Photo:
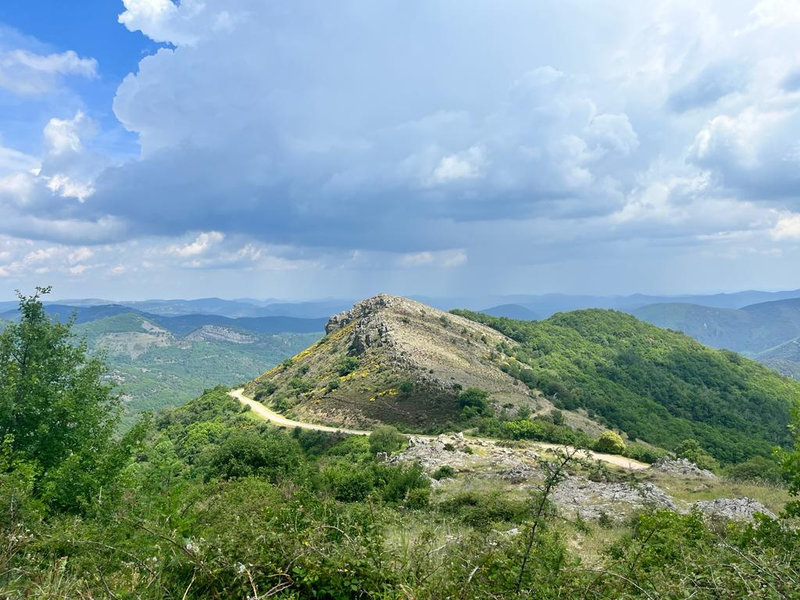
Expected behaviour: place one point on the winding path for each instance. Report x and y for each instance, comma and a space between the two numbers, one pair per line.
270, 415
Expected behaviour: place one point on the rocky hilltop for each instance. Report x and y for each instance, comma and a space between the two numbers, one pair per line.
393, 360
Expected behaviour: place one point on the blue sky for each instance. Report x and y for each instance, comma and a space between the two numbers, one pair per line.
440, 147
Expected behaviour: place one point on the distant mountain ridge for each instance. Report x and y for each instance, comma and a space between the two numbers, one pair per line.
768, 332
181, 325
751, 329
544, 305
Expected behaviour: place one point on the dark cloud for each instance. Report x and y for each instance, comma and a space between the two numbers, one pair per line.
711, 84
791, 83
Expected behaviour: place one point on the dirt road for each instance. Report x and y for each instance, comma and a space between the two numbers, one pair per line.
269, 415
272, 416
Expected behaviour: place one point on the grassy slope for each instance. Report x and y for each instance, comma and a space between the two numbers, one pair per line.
656, 385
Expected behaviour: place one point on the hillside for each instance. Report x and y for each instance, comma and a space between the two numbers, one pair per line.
165, 361
784, 358
653, 384
511, 311
715, 327
751, 329
393, 360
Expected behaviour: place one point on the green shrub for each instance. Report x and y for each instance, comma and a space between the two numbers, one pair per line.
691, 450
397, 481
557, 417
483, 509
444, 472
756, 469
474, 401
405, 388
644, 453
610, 442
347, 365
248, 453
347, 483
265, 389
386, 439
300, 385
418, 498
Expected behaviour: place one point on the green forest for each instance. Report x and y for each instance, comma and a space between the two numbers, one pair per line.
655, 385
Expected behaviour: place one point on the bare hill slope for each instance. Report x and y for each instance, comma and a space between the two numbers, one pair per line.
393, 360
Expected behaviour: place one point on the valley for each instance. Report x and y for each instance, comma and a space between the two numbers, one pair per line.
157, 361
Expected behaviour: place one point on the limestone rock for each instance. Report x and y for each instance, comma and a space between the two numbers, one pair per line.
737, 509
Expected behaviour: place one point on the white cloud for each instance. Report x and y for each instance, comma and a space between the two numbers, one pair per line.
775, 13
27, 73
80, 254
787, 227
12, 161
78, 269
169, 21
613, 132
464, 165
64, 135
447, 259
201, 244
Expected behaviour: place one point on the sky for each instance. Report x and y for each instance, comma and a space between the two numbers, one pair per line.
266, 148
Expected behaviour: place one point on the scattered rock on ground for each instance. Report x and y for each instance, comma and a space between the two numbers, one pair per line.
593, 500
520, 472
738, 509
681, 467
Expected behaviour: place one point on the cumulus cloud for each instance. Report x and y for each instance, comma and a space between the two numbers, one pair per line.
64, 135
201, 244
754, 152
464, 165
323, 129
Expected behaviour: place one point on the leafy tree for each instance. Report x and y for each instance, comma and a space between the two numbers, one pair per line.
57, 408
248, 453
691, 450
265, 389
756, 469
610, 442
386, 439
557, 417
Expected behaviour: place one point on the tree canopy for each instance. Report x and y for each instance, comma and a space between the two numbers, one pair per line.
57, 414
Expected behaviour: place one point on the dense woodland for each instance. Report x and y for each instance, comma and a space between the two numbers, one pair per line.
205, 501
656, 385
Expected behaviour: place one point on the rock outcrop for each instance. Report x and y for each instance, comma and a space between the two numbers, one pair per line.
681, 467
737, 509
